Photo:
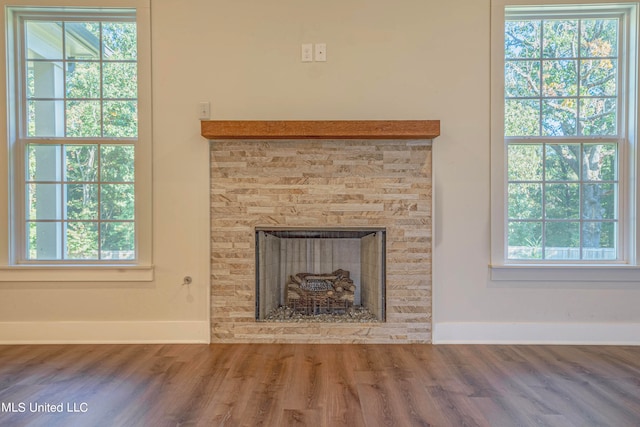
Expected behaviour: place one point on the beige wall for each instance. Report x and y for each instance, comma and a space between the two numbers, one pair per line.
409, 59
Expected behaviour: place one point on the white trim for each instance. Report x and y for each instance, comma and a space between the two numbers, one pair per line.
144, 149
82, 3
111, 273
142, 269
501, 269
166, 332
498, 147
566, 273
537, 333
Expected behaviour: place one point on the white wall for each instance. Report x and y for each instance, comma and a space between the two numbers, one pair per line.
410, 59
469, 307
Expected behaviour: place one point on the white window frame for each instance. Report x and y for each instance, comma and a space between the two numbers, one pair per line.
625, 269
141, 269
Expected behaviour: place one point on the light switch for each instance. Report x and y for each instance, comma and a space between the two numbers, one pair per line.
321, 52
307, 52
204, 110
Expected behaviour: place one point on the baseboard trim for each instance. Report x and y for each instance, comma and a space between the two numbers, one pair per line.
537, 333
198, 332
121, 332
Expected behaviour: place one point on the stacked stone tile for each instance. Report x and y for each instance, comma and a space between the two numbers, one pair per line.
321, 183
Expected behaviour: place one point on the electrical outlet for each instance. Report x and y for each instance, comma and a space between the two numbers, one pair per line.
321, 52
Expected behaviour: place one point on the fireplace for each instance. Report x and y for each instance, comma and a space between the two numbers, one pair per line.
310, 274
352, 181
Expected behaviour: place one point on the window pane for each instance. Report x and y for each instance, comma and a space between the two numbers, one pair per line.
83, 80
81, 240
83, 119
525, 240
522, 117
598, 116
45, 118
120, 80
599, 240
525, 201
81, 163
82, 201
600, 162
44, 40
119, 40
598, 77
43, 240
599, 37
120, 119
118, 240
44, 162
561, 162
117, 202
562, 201
522, 39
44, 79
522, 78
525, 162
560, 39
117, 163
562, 240
599, 201
560, 78
82, 40
43, 201
559, 117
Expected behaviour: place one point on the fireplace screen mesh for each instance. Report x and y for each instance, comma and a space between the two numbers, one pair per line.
320, 275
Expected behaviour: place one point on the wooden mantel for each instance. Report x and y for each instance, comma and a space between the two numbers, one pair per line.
320, 129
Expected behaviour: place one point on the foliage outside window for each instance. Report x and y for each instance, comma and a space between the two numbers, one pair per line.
562, 126
77, 130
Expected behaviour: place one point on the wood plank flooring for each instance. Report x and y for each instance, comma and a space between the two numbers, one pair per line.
319, 385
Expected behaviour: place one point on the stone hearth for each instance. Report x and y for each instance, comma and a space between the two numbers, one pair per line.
377, 183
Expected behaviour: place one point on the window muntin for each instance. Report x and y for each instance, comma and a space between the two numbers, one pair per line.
562, 127
76, 137
561, 77
80, 78
562, 201
80, 202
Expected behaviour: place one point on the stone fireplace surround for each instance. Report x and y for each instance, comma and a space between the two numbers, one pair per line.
321, 174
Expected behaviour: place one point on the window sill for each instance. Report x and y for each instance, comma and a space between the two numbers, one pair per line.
566, 273
76, 273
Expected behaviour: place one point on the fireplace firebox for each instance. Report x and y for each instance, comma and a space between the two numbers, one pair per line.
316, 275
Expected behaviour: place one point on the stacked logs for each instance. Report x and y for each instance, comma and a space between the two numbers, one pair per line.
315, 293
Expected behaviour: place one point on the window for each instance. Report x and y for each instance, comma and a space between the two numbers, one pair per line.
566, 135
561, 129
78, 137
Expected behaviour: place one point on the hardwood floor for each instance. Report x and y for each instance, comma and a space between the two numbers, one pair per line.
319, 385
